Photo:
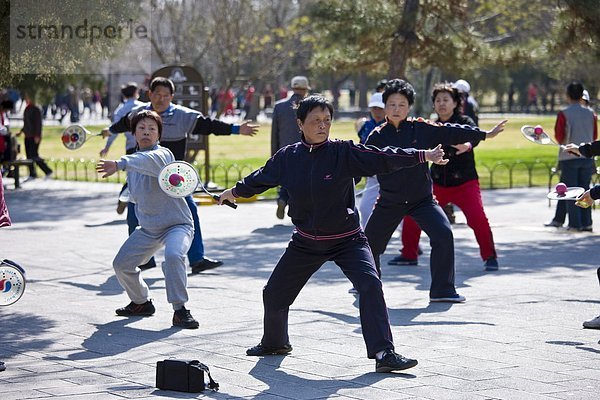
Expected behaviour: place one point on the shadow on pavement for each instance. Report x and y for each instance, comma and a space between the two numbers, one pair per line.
268, 370
19, 332
116, 338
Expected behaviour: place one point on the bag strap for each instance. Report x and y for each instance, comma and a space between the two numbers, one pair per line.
211, 384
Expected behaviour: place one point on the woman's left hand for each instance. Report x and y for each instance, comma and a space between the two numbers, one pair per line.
496, 130
106, 167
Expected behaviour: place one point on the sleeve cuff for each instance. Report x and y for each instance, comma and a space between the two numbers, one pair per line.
235, 129
234, 192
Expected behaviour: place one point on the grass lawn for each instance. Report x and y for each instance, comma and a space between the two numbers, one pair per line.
495, 158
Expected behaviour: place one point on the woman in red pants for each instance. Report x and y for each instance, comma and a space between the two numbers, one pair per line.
456, 182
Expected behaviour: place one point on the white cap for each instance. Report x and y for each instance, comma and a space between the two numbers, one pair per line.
376, 100
462, 86
586, 95
300, 82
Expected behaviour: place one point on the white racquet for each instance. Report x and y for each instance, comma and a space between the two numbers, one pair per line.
74, 136
12, 282
180, 179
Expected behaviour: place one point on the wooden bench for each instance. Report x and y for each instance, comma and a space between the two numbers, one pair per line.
13, 166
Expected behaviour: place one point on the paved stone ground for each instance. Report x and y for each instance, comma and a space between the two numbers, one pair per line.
518, 336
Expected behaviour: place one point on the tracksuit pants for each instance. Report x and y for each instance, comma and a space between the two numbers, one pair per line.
137, 250
302, 258
431, 218
196, 251
467, 197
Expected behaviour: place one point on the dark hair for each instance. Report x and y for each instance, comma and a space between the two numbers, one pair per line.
311, 102
575, 90
153, 115
128, 90
161, 81
381, 85
446, 87
7, 104
399, 86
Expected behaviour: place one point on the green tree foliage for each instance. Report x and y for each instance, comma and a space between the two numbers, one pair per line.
361, 35
51, 58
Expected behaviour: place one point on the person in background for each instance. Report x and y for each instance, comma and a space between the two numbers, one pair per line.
371, 191
456, 182
409, 191
180, 122
284, 130
469, 105
574, 124
32, 128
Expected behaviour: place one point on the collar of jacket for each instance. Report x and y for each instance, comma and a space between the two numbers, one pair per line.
312, 147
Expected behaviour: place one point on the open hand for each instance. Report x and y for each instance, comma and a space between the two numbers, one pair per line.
436, 155
248, 129
492, 133
106, 167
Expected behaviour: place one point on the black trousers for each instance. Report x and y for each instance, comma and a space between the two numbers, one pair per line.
431, 218
302, 258
31, 150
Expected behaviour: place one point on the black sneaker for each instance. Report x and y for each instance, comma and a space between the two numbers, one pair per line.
121, 207
260, 350
148, 265
204, 264
491, 264
2, 366
280, 213
554, 223
401, 260
391, 361
137, 310
183, 319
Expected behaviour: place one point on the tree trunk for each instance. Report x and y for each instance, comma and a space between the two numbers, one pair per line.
362, 90
404, 40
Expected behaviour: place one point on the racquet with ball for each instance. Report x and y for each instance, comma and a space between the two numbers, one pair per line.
74, 136
180, 179
537, 135
12, 282
562, 192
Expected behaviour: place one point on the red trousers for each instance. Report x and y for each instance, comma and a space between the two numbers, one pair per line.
468, 198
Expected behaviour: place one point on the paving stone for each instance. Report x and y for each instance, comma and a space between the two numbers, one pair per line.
518, 336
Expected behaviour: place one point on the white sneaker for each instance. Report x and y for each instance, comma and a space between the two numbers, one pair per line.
592, 323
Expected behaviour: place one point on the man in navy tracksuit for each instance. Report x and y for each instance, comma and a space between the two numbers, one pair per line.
409, 191
319, 177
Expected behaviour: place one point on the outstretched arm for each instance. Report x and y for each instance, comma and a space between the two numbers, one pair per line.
492, 133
